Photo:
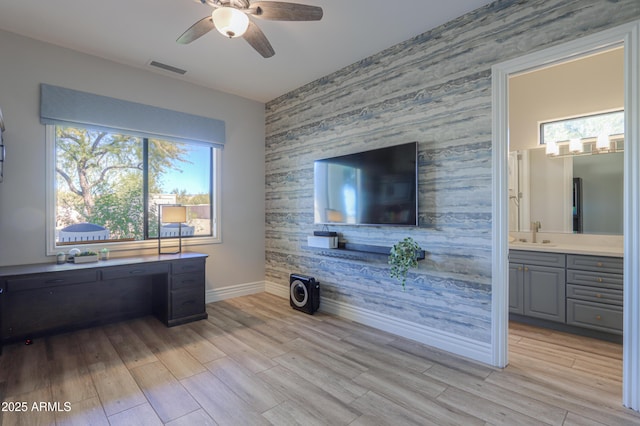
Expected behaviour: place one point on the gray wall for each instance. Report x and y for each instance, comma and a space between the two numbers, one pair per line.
25, 63
434, 89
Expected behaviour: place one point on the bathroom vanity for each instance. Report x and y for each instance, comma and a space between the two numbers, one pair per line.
576, 290
537, 284
43, 299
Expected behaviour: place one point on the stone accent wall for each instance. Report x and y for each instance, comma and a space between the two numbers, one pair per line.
434, 89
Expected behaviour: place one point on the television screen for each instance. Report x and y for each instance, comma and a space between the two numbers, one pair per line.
377, 187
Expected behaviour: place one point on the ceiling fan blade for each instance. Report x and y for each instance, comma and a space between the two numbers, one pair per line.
197, 30
281, 11
256, 38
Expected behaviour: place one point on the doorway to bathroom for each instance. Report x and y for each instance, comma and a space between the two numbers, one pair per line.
567, 201
622, 41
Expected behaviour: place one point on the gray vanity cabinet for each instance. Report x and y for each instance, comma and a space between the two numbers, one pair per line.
516, 288
594, 292
578, 290
540, 277
544, 293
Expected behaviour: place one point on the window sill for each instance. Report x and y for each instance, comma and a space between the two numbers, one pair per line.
124, 246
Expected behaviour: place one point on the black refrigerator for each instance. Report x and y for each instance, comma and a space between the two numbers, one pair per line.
577, 205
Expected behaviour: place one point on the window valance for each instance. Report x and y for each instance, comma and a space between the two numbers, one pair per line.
62, 106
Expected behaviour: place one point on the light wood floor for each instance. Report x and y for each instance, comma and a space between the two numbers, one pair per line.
256, 361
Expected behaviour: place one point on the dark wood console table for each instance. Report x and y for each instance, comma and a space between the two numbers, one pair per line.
43, 299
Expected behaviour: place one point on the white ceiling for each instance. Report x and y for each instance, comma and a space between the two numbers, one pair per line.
135, 32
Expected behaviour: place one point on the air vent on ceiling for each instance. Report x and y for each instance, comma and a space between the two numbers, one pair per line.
167, 67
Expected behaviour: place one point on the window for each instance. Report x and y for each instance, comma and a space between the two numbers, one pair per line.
104, 183
590, 134
583, 127
108, 186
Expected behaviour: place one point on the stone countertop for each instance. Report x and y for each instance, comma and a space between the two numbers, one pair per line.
116, 261
591, 250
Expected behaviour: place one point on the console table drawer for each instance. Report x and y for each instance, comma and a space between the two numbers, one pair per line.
595, 294
135, 271
182, 281
50, 280
597, 316
187, 302
44, 299
613, 265
595, 279
186, 266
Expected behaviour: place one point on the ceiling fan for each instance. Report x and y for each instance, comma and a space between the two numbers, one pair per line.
231, 19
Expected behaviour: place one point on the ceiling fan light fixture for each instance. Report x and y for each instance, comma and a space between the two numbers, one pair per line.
230, 22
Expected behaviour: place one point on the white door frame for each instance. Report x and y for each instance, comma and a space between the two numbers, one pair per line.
627, 35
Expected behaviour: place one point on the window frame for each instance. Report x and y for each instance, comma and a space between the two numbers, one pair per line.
53, 248
541, 124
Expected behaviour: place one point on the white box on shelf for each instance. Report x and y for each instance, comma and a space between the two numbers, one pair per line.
322, 242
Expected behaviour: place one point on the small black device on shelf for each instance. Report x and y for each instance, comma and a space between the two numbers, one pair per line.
304, 293
325, 234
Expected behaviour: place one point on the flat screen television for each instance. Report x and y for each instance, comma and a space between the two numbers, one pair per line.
376, 187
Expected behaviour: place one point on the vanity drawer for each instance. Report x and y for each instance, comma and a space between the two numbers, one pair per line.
595, 279
539, 258
597, 316
135, 271
194, 279
185, 303
595, 294
50, 280
612, 265
187, 266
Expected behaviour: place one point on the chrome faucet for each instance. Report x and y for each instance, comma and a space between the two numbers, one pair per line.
535, 227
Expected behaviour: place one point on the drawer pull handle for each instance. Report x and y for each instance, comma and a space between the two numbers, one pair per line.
526, 269
599, 264
1, 290
137, 271
599, 296
56, 281
519, 268
599, 280
598, 317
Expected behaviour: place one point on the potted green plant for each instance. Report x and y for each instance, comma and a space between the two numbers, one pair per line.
403, 256
104, 254
86, 257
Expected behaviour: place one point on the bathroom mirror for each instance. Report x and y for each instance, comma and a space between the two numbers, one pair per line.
574, 101
572, 194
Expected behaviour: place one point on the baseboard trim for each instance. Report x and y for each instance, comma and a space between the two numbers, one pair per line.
277, 289
459, 345
237, 290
